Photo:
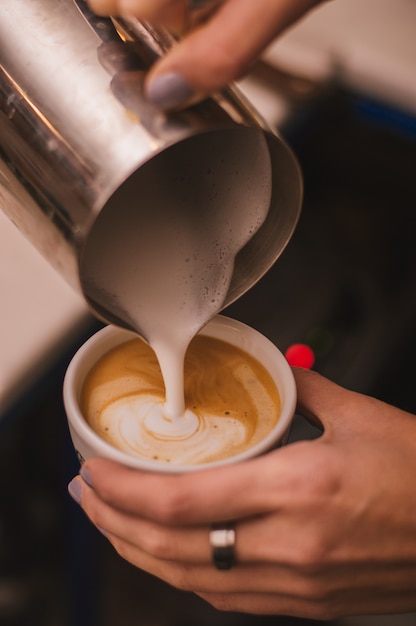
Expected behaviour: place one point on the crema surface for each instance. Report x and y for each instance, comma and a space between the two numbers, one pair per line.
231, 401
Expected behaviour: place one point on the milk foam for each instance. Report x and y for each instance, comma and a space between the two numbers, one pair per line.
139, 426
227, 392
171, 244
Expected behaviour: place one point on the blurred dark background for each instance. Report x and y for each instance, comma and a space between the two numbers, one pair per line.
345, 286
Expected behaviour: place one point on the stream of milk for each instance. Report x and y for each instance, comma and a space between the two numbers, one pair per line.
170, 263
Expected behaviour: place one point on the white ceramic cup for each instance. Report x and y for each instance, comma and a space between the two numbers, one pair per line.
89, 444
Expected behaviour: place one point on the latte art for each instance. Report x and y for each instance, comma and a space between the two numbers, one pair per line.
141, 428
231, 402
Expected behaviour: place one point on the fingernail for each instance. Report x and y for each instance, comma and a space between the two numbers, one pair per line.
75, 490
86, 475
169, 91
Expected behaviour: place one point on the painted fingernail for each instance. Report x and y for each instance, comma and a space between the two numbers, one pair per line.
169, 91
86, 476
75, 490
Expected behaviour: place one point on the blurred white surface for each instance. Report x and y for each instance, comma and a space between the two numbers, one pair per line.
369, 45
39, 313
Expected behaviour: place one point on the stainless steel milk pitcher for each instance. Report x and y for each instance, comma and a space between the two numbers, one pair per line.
79, 140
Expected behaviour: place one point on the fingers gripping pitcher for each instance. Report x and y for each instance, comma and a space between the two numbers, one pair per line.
128, 203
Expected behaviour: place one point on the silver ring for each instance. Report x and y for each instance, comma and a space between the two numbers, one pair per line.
222, 542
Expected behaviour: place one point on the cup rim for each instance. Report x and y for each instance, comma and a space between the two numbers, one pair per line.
222, 327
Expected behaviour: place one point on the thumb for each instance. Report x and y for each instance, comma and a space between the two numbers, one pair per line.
326, 404
220, 50
345, 414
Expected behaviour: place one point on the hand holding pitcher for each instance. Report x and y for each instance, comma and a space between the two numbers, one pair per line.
229, 36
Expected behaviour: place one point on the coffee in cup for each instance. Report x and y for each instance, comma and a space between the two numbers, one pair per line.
239, 395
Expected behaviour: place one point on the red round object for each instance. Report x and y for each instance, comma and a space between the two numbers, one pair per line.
300, 355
